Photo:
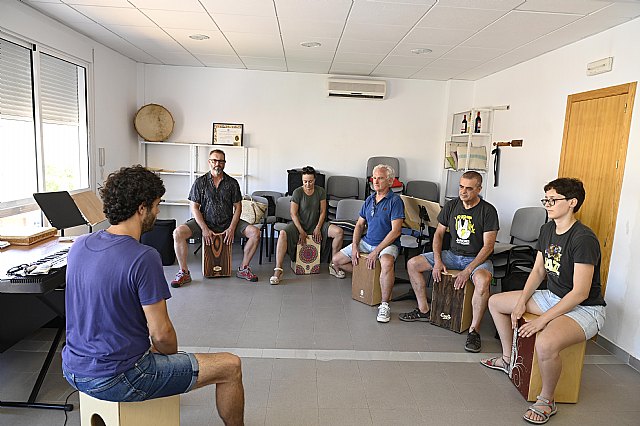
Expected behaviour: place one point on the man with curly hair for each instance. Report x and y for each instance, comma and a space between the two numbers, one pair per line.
216, 204
120, 343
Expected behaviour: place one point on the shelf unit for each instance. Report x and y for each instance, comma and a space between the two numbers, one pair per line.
475, 145
179, 164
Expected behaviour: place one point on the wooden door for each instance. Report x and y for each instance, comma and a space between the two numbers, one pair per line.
594, 149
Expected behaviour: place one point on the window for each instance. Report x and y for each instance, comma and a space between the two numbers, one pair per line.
43, 125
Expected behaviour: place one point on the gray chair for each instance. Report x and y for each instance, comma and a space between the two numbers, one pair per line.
525, 229
282, 218
340, 188
423, 189
389, 161
347, 214
272, 197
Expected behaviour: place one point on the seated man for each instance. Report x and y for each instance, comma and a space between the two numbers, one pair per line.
473, 225
120, 343
216, 204
383, 213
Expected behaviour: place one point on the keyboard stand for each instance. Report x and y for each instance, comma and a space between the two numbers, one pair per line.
31, 402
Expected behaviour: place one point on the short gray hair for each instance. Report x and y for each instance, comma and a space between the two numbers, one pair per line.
391, 174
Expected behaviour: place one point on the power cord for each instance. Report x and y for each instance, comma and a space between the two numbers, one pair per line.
65, 403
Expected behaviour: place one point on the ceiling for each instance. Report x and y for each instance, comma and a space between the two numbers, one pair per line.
466, 39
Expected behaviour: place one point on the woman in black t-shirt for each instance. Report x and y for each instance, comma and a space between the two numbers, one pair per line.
571, 310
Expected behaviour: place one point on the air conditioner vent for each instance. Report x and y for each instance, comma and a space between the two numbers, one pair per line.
363, 89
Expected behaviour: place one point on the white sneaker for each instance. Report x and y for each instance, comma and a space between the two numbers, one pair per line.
338, 273
384, 312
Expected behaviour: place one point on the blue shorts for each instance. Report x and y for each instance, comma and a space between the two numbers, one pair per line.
589, 318
153, 376
391, 250
454, 261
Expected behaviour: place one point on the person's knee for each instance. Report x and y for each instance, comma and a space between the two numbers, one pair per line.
340, 259
386, 263
482, 282
231, 366
252, 233
546, 347
181, 233
417, 265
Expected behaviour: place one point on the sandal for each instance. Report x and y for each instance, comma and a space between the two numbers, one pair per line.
275, 279
492, 363
538, 408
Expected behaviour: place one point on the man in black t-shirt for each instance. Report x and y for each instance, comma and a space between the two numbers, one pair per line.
473, 225
216, 204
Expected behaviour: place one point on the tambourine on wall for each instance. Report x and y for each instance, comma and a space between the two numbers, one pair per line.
154, 123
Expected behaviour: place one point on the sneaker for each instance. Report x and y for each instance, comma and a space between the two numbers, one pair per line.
246, 274
473, 342
384, 312
182, 278
415, 315
338, 273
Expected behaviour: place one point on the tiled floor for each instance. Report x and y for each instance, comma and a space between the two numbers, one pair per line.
313, 356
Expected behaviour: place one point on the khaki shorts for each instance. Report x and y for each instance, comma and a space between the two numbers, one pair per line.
196, 232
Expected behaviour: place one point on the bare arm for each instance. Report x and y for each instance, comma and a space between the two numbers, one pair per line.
396, 230
294, 208
438, 267
163, 335
357, 236
207, 234
229, 233
317, 232
488, 242
536, 276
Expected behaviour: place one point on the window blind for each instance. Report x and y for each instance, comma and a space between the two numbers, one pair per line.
59, 90
16, 96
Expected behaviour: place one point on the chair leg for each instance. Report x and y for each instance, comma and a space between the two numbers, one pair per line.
198, 249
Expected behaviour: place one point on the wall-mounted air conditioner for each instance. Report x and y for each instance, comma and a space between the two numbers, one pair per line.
362, 89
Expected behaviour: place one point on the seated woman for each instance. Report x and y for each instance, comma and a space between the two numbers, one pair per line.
308, 212
571, 310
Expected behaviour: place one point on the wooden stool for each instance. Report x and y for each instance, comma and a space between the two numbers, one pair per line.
216, 258
307, 258
451, 308
525, 373
154, 412
365, 282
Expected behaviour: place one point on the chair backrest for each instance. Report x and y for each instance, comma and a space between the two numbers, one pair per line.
389, 161
525, 227
348, 209
283, 208
272, 197
423, 189
339, 187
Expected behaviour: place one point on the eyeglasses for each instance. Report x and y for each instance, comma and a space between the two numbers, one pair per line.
551, 201
214, 161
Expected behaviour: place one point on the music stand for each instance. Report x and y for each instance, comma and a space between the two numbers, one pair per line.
60, 209
418, 214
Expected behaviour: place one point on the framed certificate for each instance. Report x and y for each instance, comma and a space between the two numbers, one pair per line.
227, 134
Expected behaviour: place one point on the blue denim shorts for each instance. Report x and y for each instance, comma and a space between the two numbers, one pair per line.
590, 318
153, 376
391, 250
454, 261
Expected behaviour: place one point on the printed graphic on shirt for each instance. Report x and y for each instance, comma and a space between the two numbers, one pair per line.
464, 229
552, 256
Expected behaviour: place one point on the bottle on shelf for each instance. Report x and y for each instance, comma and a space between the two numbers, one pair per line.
478, 124
463, 129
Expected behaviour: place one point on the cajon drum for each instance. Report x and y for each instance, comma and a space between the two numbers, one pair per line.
525, 374
307, 258
451, 308
365, 282
154, 412
216, 258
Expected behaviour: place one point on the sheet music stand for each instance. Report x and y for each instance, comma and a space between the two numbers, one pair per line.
60, 209
418, 214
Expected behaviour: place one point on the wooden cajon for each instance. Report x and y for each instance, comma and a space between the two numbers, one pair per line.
216, 258
153, 412
365, 282
307, 258
525, 374
451, 308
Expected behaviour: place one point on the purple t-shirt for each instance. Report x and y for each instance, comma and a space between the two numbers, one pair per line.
109, 278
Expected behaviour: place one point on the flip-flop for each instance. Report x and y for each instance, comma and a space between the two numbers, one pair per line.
492, 363
274, 279
536, 408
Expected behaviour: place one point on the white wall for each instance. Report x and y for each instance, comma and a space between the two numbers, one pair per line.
290, 122
114, 80
537, 91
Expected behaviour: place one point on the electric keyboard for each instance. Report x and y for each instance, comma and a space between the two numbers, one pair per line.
44, 275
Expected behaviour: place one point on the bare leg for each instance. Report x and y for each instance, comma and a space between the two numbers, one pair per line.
343, 262
480, 299
252, 234
337, 234
387, 276
281, 251
225, 371
416, 267
180, 236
